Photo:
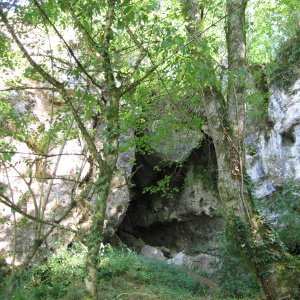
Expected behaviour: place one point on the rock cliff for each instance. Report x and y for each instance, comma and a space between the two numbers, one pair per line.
273, 145
183, 216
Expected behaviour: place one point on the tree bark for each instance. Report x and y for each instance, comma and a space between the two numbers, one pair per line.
253, 238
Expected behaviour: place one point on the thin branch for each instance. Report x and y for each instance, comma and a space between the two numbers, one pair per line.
14, 220
139, 81
67, 46
29, 188
44, 200
43, 155
21, 88
45, 178
16, 208
58, 59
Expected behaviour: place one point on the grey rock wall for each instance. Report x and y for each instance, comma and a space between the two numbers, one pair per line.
275, 146
191, 218
23, 183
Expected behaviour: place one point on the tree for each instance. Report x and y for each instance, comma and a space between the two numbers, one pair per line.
276, 270
108, 107
103, 74
110, 81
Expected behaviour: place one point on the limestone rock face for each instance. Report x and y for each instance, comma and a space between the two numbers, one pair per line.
185, 214
32, 181
52, 189
173, 144
274, 155
199, 196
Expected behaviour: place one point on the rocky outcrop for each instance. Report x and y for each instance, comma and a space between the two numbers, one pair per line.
273, 145
152, 252
33, 180
173, 143
183, 215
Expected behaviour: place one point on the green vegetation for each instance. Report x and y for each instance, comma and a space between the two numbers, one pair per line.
123, 275
283, 207
286, 67
159, 71
233, 278
126, 275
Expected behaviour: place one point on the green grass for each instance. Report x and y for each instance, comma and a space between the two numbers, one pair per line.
130, 276
123, 275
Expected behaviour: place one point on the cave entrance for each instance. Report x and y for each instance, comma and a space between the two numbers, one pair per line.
188, 219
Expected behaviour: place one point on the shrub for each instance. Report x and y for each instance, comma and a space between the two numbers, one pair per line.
52, 279
234, 279
283, 209
286, 68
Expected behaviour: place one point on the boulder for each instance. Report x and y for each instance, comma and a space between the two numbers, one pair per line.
179, 259
202, 262
152, 252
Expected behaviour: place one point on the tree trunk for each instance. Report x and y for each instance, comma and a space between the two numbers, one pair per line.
94, 237
259, 244
253, 238
110, 152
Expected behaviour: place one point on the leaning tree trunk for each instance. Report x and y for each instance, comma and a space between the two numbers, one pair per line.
276, 270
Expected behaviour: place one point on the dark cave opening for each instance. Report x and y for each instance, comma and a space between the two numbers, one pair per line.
169, 221
288, 137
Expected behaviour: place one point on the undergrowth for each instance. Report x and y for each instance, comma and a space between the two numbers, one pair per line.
283, 209
234, 279
125, 275
286, 68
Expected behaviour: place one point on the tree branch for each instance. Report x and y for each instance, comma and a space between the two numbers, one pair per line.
82, 28
7, 202
88, 139
44, 74
67, 46
22, 88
